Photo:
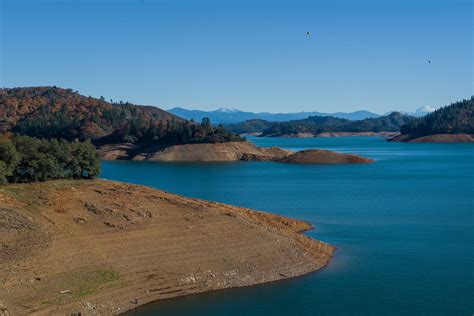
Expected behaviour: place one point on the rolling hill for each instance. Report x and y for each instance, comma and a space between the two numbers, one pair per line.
53, 111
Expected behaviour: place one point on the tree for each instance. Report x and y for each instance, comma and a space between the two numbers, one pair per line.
86, 162
28, 159
206, 124
3, 173
9, 158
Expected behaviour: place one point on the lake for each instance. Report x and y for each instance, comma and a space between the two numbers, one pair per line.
403, 226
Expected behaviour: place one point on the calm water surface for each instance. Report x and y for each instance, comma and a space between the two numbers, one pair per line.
403, 227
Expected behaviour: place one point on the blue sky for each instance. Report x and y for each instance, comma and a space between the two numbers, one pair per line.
251, 55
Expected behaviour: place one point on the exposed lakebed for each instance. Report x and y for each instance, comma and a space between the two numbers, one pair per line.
403, 226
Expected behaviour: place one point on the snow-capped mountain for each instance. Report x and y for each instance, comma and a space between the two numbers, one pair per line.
420, 112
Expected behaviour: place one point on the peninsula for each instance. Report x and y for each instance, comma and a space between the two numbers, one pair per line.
451, 124
94, 246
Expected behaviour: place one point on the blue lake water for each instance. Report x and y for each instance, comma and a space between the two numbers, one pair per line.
403, 227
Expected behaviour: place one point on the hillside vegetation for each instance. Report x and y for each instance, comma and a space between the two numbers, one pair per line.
56, 112
52, 112
250, 126
456, 118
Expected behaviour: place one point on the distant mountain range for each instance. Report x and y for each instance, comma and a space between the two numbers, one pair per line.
228, 116
231, 116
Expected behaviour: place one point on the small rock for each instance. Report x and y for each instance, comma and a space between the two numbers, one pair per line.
79, 220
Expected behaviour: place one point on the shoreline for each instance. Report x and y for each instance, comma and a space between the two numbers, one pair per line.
108, 247
435, 138
332, 134
140, 307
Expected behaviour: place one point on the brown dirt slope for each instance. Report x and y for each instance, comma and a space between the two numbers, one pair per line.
437, 138
103, 247
318, 156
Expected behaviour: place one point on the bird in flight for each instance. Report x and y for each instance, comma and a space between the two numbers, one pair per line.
429, 61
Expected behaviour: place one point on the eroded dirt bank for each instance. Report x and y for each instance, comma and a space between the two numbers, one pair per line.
437, 138
103, 247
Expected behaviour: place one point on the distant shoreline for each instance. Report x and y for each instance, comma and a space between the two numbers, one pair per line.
436, 138
327, 134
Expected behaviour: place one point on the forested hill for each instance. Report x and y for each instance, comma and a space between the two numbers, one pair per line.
319, 124
457, 118
52, 112
249, 126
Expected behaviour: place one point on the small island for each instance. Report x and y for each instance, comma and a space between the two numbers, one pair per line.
312, 156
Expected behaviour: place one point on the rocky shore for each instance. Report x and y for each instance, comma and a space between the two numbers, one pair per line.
103, 247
